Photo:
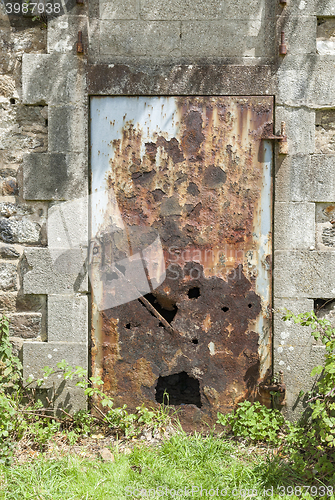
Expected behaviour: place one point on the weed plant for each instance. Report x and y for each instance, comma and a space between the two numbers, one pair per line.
22, 414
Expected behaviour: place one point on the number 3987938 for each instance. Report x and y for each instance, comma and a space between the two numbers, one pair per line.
33, 8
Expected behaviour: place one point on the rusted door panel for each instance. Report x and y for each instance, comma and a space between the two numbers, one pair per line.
181, 214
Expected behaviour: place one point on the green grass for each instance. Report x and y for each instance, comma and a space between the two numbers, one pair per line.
178, 464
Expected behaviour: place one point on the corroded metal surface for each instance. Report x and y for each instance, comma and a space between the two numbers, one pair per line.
194, 173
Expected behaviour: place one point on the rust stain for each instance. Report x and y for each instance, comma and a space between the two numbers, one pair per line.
201, 192
207, 323
141, 375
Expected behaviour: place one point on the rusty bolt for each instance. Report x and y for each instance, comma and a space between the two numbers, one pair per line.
282, 46
283, 2
80, 46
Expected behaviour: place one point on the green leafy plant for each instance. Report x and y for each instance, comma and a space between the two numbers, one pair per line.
311, 442
254, 421
10, 366
322, 400
22, 414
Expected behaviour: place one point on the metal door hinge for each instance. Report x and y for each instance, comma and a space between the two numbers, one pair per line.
268, 134
278, 388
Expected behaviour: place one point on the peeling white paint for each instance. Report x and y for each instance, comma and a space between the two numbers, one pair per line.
64, 45
285, 335
291, 348
280, 349
281, 363
49, 356
302, 5
211, 348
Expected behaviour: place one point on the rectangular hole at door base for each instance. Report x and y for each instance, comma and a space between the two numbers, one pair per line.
178, 389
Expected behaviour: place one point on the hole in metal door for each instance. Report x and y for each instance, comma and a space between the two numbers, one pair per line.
181, 261
178, 389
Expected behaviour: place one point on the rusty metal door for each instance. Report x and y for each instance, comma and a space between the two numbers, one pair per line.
180, 259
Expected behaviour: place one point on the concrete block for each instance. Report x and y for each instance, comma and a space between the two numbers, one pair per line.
324, 7
37, 355
138, 38
228, 38
288, 333
67, 318
179, 79
302, 274
177, 10
300, 33
67, 228
67, 129
52, 79
8, 276
306, 178
93, 38
297, 364
49, 276
25, 325
63, 33
54, 176
258, 9
93, 9
300, 128
321, 182
117, 10
294, 226
306, 80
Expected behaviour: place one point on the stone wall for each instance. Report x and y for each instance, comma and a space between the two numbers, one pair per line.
304, 261
23, 130
134, 47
